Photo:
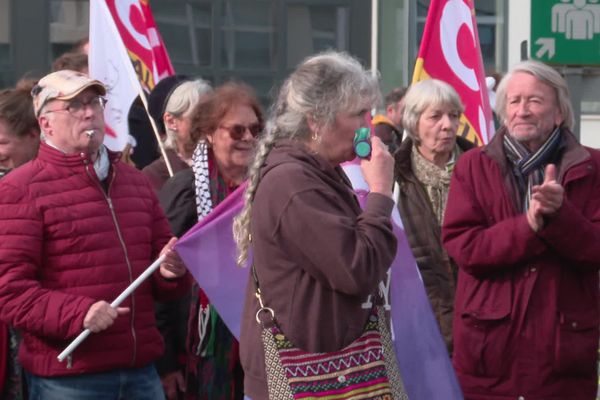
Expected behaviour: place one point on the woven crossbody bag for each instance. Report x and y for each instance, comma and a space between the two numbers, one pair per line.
365, 369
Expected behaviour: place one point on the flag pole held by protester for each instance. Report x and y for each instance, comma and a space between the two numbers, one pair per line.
116, 303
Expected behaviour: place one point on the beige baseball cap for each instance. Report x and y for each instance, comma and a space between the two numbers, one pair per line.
62, 85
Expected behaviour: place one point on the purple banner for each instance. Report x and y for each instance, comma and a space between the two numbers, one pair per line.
209, 252
422, 356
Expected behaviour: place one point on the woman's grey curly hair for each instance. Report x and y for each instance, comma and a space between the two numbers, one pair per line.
319, 88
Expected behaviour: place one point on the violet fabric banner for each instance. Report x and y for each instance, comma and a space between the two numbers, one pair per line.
424, 363
422, 357
209, 252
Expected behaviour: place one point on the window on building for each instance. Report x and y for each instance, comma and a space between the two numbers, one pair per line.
256, 41
590, 104
314, 28
186, 28
248, 35
5, 43
69, 23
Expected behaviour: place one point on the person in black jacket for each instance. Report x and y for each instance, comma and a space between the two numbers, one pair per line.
225, 125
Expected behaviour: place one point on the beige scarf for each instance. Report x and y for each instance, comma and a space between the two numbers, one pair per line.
435, 181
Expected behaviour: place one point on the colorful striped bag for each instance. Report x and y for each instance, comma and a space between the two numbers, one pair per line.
365, 369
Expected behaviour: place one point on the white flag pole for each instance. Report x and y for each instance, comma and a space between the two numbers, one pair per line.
132, 286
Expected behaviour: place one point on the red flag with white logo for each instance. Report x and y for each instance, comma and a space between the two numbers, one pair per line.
126, 54
450, 52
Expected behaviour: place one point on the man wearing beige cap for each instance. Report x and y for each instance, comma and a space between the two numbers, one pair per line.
77, 226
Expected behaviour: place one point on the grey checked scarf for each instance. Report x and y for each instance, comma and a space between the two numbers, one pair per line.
529, 167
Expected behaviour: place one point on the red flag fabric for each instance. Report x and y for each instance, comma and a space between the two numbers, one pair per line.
450, 52
137, 28
128, 56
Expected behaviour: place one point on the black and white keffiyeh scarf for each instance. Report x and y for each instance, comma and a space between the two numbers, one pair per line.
210, 189
528, 167
204, 206
202, 180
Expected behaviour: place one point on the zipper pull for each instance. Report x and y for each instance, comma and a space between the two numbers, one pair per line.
69, 362
110, 204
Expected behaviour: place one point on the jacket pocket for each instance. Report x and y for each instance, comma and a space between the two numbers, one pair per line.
481, 345
576, 348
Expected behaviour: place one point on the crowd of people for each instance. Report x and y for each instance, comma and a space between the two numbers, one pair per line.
503, 235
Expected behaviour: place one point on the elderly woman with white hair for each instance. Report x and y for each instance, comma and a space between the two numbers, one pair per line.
225, 127
177, 108
423, 167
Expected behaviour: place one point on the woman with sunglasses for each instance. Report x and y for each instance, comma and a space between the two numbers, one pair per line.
225, 125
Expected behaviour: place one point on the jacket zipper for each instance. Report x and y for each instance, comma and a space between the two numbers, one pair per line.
122, 241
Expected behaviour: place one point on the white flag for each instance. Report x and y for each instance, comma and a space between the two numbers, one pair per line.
110, 64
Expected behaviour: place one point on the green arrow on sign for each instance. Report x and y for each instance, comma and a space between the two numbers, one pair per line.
566, 32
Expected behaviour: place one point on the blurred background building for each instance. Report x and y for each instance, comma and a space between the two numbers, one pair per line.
260, 41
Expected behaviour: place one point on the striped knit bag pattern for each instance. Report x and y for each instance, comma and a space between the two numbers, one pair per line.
358, 371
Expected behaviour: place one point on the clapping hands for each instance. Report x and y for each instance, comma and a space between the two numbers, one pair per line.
546, 199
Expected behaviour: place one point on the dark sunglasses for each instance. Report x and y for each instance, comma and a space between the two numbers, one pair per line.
236, 131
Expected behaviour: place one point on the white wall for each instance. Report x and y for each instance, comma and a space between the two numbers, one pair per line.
590, 130
519, 24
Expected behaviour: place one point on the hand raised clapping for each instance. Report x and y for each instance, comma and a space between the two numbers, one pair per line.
546, 199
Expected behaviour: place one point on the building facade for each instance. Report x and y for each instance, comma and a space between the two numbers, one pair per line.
261, 41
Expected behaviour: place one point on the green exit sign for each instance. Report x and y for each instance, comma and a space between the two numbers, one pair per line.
565, 32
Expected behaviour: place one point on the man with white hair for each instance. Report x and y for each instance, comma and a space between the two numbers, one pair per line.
77, 226
523, 225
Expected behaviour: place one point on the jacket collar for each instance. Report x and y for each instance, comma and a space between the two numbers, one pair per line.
296, 151
573, 154
402, 156
53, 156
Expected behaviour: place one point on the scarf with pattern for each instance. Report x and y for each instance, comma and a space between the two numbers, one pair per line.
528, 167
210, 189
435, 181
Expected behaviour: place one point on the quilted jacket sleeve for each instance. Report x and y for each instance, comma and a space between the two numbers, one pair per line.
24, 303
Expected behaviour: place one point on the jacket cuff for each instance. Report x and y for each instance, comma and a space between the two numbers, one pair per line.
553, 230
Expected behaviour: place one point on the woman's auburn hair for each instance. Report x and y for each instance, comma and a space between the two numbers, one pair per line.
212, 108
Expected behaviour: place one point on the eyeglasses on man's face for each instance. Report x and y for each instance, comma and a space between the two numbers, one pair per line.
236, 131
77, 107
